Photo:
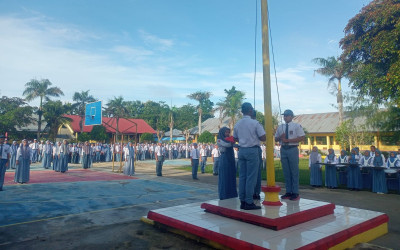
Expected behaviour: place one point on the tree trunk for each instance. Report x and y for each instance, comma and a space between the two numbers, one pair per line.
40, 112
200, 114
340, 102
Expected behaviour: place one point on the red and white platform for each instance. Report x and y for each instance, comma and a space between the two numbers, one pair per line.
302, 224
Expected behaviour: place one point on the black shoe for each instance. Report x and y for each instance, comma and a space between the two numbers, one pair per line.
195, 178
295, 197
256, 197
242, 204
215, 174
251, 206
286, 196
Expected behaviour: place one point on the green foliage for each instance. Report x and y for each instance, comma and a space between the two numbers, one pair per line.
42, 90
347, 133
146, 137
14, 112
53, 112
371, 48
79, 107
156, 114
98, 133
185, 117
205, 106
82, 137
206, 137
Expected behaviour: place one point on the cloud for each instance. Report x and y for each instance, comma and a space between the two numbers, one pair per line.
152, 40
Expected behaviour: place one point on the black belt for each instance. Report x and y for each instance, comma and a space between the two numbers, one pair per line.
289, 146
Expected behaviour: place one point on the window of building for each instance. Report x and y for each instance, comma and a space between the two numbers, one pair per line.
321, 140
331, 142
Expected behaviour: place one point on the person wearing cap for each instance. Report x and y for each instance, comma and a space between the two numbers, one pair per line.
289, 135
4, 159
24, 161
248, 132
194, 159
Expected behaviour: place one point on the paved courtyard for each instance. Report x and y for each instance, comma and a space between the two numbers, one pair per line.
98, 209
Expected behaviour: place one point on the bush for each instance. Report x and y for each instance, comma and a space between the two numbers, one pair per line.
206, 137
146, 137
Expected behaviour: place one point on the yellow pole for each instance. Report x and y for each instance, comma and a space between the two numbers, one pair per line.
271, 191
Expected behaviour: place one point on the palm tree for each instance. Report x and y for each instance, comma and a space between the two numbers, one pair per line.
53, 112
335, 70
231, 105
116, 108
201, 97
81, 99
41, 89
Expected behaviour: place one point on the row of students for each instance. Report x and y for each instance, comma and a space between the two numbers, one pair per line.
379, 167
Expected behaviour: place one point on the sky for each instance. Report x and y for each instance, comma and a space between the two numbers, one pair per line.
164, 50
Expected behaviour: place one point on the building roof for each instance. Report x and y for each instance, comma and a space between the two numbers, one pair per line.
125, 126
325, 122
211, 125
175, 132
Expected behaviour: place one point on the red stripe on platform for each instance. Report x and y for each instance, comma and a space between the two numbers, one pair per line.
344, 235
202, 232
275, 224
73, 175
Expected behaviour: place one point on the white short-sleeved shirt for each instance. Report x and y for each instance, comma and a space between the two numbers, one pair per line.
248, 131
6, 150
295, 131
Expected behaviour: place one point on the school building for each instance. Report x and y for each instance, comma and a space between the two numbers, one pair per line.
321, 132
130, 128
320, 129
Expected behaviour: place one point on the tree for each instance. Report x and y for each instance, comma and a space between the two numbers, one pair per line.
81, 99
206, 137
116, 108
335, 70
371, 48
348, 135
42, 90
53, 112
205, 105
185, 117
146, 137
14, 112
82, 137
98, 133
231, 105
156, 114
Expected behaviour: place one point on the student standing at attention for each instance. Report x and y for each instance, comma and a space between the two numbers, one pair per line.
315, 169
248, 132
289, 135
194, 159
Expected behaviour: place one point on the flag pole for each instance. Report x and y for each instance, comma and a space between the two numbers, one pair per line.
271, 191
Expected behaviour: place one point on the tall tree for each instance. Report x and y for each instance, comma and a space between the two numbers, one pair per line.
185, 117
231, 105
371, 47
42, 90
116, 108
53, 112
14, 112
205, 105
334, 69
156, 114
81, 99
